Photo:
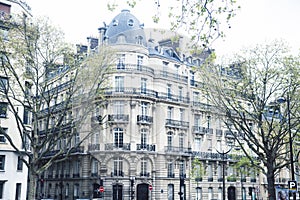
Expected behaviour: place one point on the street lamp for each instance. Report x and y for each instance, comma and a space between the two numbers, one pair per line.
287, 101
223, 153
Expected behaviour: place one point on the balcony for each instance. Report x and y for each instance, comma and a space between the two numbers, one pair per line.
134, 68
145, 174
171, 175
144, 119
119, 118
117, 147
182, 150
177, 124
171, 76
199, 130
145, 147
117, 173
94, 147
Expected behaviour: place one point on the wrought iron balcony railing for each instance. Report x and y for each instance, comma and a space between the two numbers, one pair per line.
145, 147
177, 124
120, 146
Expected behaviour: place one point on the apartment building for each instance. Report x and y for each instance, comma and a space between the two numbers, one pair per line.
13, 173
157, 123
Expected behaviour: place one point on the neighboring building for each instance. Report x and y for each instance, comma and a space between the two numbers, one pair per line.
158, 121
13, 173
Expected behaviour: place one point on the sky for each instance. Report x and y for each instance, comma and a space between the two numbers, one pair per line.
258, 21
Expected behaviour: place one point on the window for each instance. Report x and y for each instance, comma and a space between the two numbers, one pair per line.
115, 22
67, 190
121, 61
2, 137
76, 190
20, 163
198, 142
94, 167
170, 140
170, 112
180, 94
197, 120
144, 136
170, 169
182, 168
76, 168
3, 84
209, 171
77, 138
143, 85
198, 193
140, 40
139, 62
208, 122
18, 191
169, 91
219, 171
170, 192
28, 87
130, 22
143, 167
118, 134
3, 110
181, 114
192, 78
118, 167
119, 84
210, 193
2, 162
27, 115
181, 142
1, 189
144, 108
165, 69
119, 107
220, 194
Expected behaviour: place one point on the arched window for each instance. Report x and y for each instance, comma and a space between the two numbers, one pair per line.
130, 22
170, 140
170, 192
139, 40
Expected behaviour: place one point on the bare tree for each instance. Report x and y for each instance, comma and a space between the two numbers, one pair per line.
250, 93
204, 20
56, 88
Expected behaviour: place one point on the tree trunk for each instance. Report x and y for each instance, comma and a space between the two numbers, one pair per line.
271, 181
33, 178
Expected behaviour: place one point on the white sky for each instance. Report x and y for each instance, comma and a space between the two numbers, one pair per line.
257, 21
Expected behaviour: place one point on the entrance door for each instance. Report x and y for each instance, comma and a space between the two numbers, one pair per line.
231, 193
117, 192
143, 191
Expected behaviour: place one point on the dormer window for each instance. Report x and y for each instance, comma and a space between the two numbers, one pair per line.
130, 22
115, 22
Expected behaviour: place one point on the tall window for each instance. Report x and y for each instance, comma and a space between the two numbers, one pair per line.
197, 120
198, 193
3, 109
76, 168
119, 84
94, 167
144, 167
169, 91
180, 94
119, 107
2, 137
118, 166
77, 138
208, 122
181, 142
170, 169
181, 114
2, 162
139, 62
170, 112
121, 61
144, 136
219, 171
20, 163
181, 168
3, 84
209, 171
198, 142
27, 115
144, 108
118, 134
95, 138
196, 97
76, 190
165, 69
1, 189
18, 191
192, 78
143, 85
220, 193
170, 140
210, 193
170, 192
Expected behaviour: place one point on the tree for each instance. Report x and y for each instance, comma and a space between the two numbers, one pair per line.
204, 20
248, 93
52, 84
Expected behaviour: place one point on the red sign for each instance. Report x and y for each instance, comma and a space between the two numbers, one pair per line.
150, 187
101, 189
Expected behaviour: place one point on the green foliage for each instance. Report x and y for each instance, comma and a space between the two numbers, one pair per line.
197, 170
